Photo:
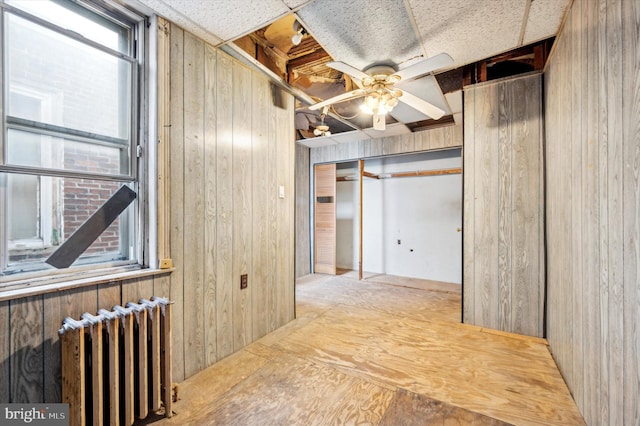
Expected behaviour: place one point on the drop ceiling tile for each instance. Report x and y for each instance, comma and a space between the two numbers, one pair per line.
347, 137
181, 19
545, 17
362, 32
316, 142
390, 130
468, 30
294, 4
225, 20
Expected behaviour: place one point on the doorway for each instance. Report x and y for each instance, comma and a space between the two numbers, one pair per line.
411, 211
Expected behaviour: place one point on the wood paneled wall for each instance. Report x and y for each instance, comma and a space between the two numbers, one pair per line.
439, 138
592, 101
229, 149
503, 248
303, 245
29, 343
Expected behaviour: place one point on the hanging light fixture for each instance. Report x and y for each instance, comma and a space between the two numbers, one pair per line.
298, 33
322, 129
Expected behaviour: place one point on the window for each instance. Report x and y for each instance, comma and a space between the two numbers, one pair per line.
70, 130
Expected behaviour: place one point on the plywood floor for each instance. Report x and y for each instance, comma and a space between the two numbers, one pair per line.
371, 352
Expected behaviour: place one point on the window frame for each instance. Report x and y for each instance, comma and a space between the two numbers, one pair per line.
141, 77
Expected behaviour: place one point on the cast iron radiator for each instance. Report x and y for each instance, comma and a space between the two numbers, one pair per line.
117, 365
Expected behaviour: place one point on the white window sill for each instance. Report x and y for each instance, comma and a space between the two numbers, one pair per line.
36, 287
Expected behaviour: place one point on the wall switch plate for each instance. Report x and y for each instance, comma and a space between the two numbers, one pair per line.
244, 281
281, 191
399, 242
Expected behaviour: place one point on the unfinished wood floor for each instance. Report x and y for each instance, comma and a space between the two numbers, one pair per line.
375, 353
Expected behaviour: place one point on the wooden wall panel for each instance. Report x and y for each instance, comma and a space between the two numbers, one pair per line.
210, 205
176, 196
592, 102
109, 295
224, 210
285, 226
590, 297
136, 289
486, 179
468, 218
27, 354
193, 225
303, 244
164, 135
242, 206
288, 140
57, 306
231, 146
259, 280
630, 81
5, 354
526, 207
503, 270
272, 214
161, 288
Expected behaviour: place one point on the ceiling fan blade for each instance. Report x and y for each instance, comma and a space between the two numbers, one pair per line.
423, 106
379, 121
424, 67
354, 73
340, 98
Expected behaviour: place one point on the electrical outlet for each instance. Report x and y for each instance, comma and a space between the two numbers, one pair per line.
244, 281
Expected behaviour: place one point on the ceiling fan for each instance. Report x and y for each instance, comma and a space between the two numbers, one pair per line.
381, 86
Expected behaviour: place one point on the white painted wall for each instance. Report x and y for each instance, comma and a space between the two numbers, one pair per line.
422, 212
372, 226
347, 202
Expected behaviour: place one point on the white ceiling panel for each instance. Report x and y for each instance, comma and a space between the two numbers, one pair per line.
353, 136
316, 142
390, 130
185, 21
362, 32
545, 17
468, 30
224, 20
295, 4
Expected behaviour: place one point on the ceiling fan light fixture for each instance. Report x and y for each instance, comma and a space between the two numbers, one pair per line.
381, 101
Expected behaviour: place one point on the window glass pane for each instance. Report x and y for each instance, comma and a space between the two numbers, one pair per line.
45, 211
73, 17
75, 86
23, 211
35, 150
